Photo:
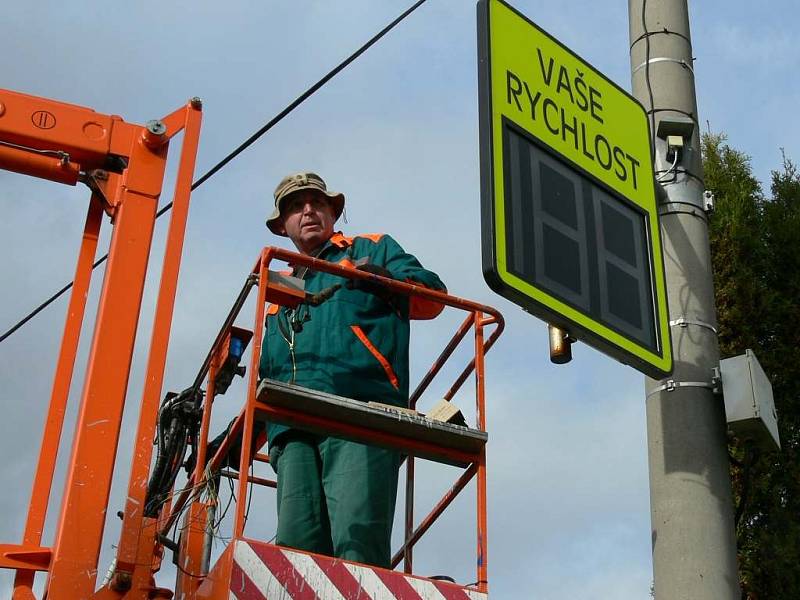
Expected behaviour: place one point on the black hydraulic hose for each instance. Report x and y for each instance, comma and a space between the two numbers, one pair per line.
241, 148
176, 429
173, 441
156, 486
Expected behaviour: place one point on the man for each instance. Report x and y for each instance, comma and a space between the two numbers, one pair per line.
337, 497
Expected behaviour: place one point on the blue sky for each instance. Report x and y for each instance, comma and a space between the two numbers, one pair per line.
397, 133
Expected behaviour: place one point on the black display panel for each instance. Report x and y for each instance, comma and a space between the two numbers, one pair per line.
570, 237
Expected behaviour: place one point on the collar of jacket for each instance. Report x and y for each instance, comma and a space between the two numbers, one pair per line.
338, 239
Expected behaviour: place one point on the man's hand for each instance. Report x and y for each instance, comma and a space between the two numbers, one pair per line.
371, 287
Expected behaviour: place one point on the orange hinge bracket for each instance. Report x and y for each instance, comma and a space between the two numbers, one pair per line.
15, 556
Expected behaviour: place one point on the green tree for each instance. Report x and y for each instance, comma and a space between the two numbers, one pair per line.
755, 244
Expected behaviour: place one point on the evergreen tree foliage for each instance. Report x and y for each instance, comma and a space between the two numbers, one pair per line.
755, 243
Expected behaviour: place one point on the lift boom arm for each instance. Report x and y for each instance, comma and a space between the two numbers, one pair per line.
124, 166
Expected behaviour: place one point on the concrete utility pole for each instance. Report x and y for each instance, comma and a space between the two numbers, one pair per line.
694, 546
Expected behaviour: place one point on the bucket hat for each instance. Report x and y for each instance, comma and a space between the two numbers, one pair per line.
297, 182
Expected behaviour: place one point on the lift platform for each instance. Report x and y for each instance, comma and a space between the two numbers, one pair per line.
325, 414
270, 568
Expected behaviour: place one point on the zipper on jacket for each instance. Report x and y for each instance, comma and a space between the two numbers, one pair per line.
377, 354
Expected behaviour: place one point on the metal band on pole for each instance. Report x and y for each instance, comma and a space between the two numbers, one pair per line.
658, 59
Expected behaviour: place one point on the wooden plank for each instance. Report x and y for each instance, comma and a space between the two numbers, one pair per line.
418, 435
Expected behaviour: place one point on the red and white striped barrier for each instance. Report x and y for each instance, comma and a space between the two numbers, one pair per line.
266, 572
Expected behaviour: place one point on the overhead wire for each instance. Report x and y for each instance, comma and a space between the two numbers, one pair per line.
46, 303
241, 148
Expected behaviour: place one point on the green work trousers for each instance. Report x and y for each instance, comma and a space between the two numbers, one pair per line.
335, 497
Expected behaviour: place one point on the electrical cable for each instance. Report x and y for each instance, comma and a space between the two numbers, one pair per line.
218, 521
671, 169
647, 76
674, 110
205, 488
185, 572
242, 147
663, 31
745, 467
682, 172
196, 492
249, 495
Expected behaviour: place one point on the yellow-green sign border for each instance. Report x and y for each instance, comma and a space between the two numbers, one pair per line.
533, 299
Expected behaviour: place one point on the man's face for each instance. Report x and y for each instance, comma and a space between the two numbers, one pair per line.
308, 220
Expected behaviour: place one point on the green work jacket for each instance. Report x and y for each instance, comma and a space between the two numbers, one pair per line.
355, 344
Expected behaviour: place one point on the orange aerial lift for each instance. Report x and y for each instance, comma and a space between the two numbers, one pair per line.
123, 164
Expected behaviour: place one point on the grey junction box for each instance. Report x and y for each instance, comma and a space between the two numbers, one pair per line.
749, 404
